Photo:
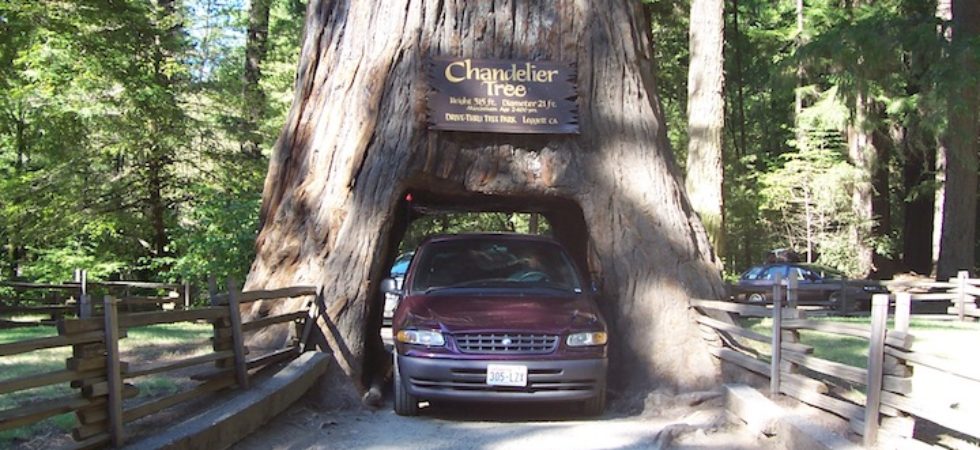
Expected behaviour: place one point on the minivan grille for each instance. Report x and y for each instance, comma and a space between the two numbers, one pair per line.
507, 343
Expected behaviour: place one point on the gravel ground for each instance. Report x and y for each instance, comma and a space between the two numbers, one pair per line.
502, 427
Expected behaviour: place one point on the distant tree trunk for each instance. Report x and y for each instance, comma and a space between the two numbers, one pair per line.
957, 242
356, 141
706, 117
253, 108
864, 157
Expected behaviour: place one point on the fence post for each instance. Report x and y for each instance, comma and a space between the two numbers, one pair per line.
901, 425
876, 353
113, 372
241, 369
187, 294
777, 335
84, 301
961, 285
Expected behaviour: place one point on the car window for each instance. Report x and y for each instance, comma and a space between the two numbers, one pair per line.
753, 273
480, 263
772, 271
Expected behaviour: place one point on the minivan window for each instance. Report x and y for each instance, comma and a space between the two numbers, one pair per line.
482, 263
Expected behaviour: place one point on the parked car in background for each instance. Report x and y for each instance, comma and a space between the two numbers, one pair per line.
817, 286
496, 318
397, 273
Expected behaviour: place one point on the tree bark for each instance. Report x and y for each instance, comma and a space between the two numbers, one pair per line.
706, 117
356, 141
957, 242
864, 157
253, 108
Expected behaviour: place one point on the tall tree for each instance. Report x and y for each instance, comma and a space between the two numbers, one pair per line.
356, 140
959, 213
706, 117
253, 108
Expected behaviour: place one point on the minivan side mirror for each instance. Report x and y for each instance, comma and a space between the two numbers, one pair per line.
390, 286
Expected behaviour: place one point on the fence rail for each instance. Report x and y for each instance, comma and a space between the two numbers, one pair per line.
889, 407
101, 380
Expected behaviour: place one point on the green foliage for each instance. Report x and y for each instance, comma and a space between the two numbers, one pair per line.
448, 223
119, 137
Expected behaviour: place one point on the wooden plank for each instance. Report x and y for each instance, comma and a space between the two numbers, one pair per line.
777, 336
39, 410
933, 296
241, 370
135, 300
937, 363
273, 357
274, 294
101, 389
14, 348
133, 320
945, 417
875, 372
168, 366
36, 309
272, 320
97, 441
222, 427
157, 317
24, 285
84, 432
760, 367
136, 284
840, 407
9, 324
846, 372
150, 407
44, 379
114, 372
738, 308
894, 339
733, 329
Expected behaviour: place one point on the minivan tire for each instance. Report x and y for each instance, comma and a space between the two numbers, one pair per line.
596, 405
406, 404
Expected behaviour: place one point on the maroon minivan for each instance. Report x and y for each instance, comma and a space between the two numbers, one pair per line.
496, 317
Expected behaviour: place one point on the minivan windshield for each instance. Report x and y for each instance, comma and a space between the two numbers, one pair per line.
490, 263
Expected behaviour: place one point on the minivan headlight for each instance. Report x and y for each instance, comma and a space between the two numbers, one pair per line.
427, 338
586, 339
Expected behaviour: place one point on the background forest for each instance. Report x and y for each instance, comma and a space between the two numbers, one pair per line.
135, 134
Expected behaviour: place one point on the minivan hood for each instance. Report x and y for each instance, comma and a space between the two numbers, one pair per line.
504, 311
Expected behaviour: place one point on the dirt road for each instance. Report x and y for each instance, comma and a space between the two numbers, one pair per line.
502, 427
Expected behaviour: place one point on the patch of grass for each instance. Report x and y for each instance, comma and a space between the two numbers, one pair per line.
945, 338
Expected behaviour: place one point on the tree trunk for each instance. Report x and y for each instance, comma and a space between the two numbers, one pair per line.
356, 141
957, 243
253, 108
706, 117
863, 156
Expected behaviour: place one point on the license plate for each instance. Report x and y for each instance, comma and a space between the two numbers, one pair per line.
506, 375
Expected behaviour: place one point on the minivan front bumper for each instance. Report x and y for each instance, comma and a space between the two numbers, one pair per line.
465, 380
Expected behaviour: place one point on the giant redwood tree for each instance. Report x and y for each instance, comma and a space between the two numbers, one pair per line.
356, 144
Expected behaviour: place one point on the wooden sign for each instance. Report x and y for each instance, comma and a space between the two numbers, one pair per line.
502, 96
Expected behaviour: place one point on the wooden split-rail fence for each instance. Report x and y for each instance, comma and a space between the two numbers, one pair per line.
851, 298
74, 299
100, 380
889, 408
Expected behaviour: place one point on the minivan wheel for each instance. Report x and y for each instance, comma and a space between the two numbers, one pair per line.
757, 297
405, 404
595, 405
